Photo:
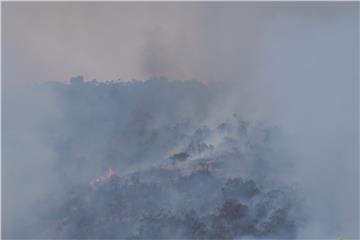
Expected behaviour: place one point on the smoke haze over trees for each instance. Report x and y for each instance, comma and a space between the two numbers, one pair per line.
262, 143
135, 160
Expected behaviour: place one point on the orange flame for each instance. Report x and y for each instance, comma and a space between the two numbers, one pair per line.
109, 173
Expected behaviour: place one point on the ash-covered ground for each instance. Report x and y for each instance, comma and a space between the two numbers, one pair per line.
141, 160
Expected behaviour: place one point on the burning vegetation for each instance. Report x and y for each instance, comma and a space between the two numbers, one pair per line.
172, 176
101, 179
161, 203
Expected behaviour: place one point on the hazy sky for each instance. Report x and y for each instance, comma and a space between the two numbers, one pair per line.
52, 41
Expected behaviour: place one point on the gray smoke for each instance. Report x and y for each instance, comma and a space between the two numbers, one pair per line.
263, 145
136, 160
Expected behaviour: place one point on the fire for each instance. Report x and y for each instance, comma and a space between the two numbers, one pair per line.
98, 179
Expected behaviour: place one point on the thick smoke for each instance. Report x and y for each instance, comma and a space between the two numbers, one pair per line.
264, 146
136, 160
